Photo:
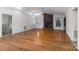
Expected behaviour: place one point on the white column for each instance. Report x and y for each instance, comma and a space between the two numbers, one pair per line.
0, 25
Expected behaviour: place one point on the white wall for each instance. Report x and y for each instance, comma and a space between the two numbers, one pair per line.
0, 26
78, 29
71, 25
19, 19
55, 16
75, 20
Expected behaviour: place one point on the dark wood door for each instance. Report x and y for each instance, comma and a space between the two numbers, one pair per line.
48, 21
65, 24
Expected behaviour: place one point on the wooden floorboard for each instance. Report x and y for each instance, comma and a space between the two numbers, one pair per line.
37, 40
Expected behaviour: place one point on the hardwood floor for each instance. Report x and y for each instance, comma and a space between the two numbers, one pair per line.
37, 40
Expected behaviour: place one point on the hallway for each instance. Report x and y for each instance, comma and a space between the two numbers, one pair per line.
37, 40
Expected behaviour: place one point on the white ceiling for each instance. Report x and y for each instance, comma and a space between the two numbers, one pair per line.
55, 10
50, 10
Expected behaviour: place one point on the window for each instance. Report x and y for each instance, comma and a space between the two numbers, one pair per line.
58, 23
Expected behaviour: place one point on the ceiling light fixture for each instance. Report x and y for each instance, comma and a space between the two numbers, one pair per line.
18, 7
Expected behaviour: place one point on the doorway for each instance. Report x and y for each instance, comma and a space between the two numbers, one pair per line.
65, 24
6, 24
48, 21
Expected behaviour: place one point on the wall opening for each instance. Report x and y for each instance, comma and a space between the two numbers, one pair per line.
6, 24
48, 21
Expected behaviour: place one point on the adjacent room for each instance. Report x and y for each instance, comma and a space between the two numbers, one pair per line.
39, 29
